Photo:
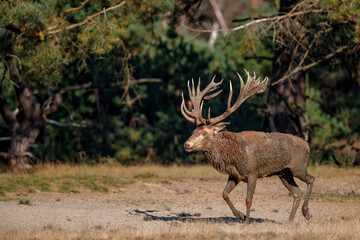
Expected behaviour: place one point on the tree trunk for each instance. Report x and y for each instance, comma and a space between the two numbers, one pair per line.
101, 113
24, 127
286, 100
21, 141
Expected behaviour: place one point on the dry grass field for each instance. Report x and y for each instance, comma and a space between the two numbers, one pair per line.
157, 202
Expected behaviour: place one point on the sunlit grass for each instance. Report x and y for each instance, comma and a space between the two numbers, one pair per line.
103, 178
66, 179
327, 171
5, 199
334, 198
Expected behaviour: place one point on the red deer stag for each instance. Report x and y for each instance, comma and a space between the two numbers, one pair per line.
248, 155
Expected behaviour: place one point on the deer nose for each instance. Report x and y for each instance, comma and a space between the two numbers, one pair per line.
187, 145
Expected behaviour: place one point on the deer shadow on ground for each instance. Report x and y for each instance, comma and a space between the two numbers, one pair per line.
187, 217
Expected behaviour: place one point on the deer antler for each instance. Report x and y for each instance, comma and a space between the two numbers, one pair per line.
196, 97
251, 87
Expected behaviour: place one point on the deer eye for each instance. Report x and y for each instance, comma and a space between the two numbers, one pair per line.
204, 134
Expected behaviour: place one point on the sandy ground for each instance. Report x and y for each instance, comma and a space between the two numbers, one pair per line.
152, 203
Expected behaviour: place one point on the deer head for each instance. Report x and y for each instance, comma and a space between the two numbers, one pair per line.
208, 128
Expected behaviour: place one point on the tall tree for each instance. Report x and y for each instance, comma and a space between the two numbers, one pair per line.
42, 42
286, 100
318, 32
25, 128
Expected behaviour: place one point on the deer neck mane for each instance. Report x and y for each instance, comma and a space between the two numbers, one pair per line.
223, 154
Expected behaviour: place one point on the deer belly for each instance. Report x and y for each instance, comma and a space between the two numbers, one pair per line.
269, 171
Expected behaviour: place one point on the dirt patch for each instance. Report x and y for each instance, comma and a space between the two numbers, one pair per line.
150, 203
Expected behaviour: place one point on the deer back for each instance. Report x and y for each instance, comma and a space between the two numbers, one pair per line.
255, 153
269, 153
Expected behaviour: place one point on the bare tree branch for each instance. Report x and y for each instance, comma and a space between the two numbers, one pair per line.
92, 85
76, 8
214, 4
50, 32
29, 154
51, 104
65, 124
304, 68
267, 19
3, 139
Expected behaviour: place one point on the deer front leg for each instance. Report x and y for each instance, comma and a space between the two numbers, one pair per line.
251, 184
230, 185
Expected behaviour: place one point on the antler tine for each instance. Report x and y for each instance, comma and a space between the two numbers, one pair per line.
230, 96
210, 87
251, 87
208, 119
185, 112
189, 89
197, 98
185, 108
242, 88
213, 95
201, 119
193, 88
254, 85
198, 87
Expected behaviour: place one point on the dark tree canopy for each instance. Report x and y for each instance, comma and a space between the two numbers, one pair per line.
86, 81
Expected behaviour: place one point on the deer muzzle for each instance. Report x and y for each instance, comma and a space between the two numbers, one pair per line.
188, 146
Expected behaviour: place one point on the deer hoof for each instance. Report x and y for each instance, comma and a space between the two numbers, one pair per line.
238, 214
305, 212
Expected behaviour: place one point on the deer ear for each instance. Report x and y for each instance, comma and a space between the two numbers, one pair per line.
220, 126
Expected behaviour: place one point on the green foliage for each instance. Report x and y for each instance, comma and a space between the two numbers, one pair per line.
334, 115
133, 124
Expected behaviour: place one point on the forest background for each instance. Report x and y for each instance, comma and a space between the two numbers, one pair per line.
101, 81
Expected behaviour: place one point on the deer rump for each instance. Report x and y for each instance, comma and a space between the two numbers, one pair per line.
263, 154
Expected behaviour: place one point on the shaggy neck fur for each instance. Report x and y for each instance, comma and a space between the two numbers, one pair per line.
224, 157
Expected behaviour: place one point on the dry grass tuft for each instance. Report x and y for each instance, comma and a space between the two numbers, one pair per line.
325, 229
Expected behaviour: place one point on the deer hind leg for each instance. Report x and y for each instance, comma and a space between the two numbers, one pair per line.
309, 180
289, 182
230, 185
